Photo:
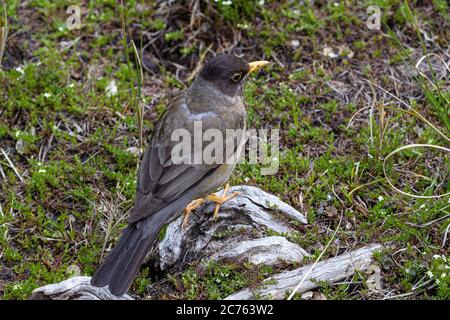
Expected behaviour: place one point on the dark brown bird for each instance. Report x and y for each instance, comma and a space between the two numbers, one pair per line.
165, 187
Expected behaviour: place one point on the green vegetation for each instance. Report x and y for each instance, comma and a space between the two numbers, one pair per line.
68, 155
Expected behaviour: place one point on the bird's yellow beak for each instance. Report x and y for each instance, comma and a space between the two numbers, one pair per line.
256, 65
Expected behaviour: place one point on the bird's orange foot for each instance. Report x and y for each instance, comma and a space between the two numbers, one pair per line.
194, 204
220, 200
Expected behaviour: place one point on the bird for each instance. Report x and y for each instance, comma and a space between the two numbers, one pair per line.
167, 188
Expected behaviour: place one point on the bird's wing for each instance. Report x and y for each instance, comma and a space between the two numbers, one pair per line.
160, 181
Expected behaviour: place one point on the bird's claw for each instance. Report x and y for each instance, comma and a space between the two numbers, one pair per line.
220, 200
194, 204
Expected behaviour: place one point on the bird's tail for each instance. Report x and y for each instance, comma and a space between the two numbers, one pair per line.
123, 262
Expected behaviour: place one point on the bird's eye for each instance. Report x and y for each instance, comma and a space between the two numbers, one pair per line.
236, 77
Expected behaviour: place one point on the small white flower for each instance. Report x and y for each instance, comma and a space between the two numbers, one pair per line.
436, 256
246, 179
61, 28
430, 274
443, 275
380, 198
39, 164
42, 171
295, 43
111, 89
227, 2
71, 85
370, 156
329, 197
47, 95
20, 70
328, 52
18, 133
261, 2
438, 281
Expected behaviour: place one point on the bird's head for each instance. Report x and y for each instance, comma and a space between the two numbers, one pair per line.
228, 72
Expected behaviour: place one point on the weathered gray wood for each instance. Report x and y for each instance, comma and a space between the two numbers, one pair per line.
276, 287
267, 251
239, 233
331, 270
76, 288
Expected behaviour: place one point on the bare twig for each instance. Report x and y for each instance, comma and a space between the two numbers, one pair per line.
445, 235
355, 114
315, 262
12, 166
43, 151
2, 173
431, 222
426, 57
199, 64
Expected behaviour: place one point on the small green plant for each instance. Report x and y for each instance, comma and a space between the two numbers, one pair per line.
236, 11
439, 273
173, 35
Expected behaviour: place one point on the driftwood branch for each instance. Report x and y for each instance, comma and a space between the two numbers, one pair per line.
76, 288
331, 270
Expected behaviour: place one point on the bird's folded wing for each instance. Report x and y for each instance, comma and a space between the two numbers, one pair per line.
160, 181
